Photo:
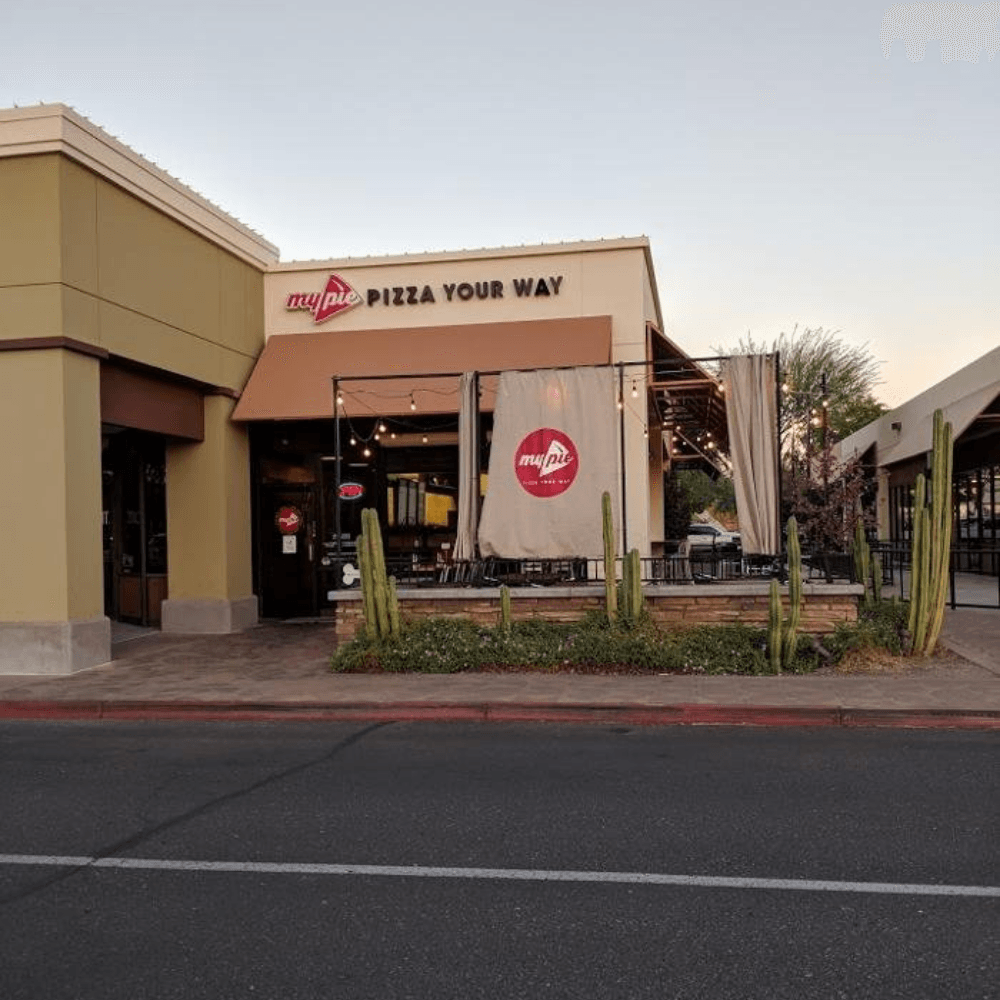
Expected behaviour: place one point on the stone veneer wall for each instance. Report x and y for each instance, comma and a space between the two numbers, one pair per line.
685, 606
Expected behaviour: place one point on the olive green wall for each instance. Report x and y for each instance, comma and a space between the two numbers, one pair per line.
50, 493
81, 258
84, 260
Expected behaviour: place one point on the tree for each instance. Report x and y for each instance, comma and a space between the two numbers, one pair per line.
704, 493
814, 359
828, 392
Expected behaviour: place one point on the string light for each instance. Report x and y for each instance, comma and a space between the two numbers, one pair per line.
367, 452
381, 427
340, 399
424, 439
413, 402
635, 391
354, 440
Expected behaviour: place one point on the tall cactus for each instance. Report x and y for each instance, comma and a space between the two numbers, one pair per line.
931, 550
381, 605
862, 560
367, 588
918, 585
610, 583
790, 636
394, 625
631, 605
774, 627
505, 609
941, 525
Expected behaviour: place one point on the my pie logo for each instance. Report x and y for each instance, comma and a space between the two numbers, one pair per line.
337, 297
546, 462
288, 519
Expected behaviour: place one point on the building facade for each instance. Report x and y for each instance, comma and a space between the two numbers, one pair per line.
131, 314
896, 448
168, 393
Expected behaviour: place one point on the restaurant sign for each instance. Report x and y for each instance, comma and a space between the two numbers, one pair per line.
338, 296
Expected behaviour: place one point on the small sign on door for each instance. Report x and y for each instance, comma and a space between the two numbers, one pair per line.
289, 544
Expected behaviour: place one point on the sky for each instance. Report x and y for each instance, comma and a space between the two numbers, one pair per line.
787, 173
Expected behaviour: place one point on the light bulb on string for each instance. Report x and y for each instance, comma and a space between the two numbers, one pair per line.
413, 402
635, 391
381, 427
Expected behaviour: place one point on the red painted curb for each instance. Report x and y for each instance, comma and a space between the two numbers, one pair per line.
638, 715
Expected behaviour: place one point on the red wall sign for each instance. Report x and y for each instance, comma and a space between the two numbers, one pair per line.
546, 462
288, 520
337, 297
351, 491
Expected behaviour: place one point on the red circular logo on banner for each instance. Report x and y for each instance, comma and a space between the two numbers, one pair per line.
546, 462
288, 520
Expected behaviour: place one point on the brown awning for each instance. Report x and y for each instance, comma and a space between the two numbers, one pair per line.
292, 379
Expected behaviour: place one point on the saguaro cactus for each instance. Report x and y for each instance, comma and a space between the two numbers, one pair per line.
782, 633
774, 627
862, 559
631, 586
931, 550
378, 592
505, 609
790, 634
918, 571
610, 583
941, 526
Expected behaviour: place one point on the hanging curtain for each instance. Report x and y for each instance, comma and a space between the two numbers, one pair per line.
554, 451
468, 467
750, 382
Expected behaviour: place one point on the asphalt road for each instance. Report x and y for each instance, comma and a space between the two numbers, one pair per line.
503, 861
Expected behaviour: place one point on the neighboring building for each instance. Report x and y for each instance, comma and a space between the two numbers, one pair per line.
132, 313
897, 448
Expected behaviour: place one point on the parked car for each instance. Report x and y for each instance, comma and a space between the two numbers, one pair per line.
707, 536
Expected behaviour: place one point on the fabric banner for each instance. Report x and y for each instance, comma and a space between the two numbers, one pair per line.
750, 382
555, 450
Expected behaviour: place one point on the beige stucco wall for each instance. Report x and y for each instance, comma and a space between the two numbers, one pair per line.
50, 492
595, 282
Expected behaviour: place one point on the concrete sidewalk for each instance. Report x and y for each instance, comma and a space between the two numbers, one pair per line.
280, 671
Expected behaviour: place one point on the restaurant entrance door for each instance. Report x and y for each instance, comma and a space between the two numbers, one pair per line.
287, 540
133, 479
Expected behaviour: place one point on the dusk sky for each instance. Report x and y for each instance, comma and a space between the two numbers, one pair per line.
785, 170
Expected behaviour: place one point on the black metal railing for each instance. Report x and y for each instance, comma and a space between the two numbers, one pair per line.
973, 573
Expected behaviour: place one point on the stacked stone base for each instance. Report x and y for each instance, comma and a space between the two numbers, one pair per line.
825, 605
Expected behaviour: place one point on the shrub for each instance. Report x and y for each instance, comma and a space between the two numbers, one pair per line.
446, 645
879, 626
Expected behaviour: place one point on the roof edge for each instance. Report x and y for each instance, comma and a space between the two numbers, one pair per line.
57, 128
482, 253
